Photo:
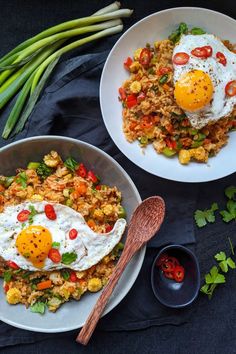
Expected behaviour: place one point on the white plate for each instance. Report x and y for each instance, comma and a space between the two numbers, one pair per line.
73, 314
152, 28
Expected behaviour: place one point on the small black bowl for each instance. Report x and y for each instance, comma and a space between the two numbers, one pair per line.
168, 291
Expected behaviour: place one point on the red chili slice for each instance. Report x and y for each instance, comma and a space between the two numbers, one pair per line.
23, 215
174, 261
145, 57
221, 58
92, 177
81, 171
230, 88
54, 255
73, 234
73, 277
122, 93
179, 273
12, 265
180, 58
128, 62
169, 275
50, 212
209, 50
200, 52
161, 259
167, 266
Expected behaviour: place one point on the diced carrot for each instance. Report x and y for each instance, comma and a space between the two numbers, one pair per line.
82, 282
44, 285
91, 223
2, 189
81, 188
166, 87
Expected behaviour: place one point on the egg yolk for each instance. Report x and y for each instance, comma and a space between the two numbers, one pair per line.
34, 243
193, 90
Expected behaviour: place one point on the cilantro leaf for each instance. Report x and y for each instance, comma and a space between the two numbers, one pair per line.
230, 192
68, 257
227, 217
214, 276
200, 219
38, 307
221, 256
231, 263
203, 216
71, 164
22, 179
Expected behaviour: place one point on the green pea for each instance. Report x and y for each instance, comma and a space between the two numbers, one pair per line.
168, 152
122, 213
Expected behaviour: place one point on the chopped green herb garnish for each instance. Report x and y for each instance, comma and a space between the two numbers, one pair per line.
33, 165
163, 79
203, 216
175, 35
7, 276
71, 164
22, 179
8, 181
43, 170
38, 307
197, 30
68, 258
33, 212
230, 192
56, 244
65, 274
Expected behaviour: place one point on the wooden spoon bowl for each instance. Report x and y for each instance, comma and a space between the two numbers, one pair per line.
145, 222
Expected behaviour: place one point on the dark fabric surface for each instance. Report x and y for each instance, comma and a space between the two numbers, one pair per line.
74, 88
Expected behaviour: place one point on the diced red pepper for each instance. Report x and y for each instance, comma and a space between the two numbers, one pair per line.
73, 277
73, 234
131, 101
6, 288
12, 265
164, 70
108, 228
128, 62
92, 177
171, 144
50, 212
23, 215
122, 93
81, 171
98, 187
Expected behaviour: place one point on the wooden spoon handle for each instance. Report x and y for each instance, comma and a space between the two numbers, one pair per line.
97, 311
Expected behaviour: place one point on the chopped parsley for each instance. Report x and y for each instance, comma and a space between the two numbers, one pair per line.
33, 212
7, 276
65, 274
56, 244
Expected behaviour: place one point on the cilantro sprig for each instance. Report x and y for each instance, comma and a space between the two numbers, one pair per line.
215, 277
202, 217
68, 258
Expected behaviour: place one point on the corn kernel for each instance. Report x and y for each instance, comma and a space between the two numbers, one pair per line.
135, 87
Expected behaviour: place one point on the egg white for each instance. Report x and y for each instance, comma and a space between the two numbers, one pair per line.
89, 246
221, 104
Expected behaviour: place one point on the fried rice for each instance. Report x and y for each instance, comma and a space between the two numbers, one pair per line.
151, 115
55, 181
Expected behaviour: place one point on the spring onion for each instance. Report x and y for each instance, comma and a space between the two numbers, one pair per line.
26, 68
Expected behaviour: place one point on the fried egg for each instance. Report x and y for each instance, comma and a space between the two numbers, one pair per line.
200, 83
29, 243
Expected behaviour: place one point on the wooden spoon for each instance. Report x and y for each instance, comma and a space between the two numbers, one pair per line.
145, 222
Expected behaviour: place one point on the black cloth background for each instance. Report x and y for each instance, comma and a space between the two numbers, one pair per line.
204, 324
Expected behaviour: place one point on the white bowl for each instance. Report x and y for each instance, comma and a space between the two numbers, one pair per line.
73, 314
150, 29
